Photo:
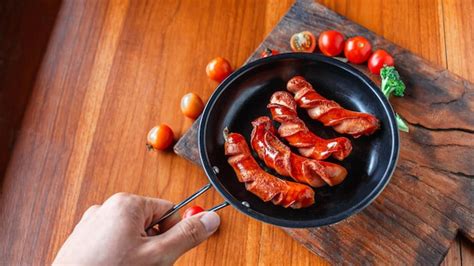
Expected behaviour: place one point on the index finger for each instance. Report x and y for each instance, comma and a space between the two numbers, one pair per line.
154, 209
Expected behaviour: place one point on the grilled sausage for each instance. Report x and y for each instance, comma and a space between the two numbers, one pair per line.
278, 156
264, 185
331, 113
293, 129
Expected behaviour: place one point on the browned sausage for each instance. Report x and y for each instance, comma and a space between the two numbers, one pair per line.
264, 185
293, 129
331, 113
278, 156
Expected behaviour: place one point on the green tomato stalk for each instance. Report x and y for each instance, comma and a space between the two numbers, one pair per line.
393, 85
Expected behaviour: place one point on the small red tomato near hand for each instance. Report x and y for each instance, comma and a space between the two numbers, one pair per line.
303, 42
357, 50
268, 52
331, 42
218, 69
192, 211
379, 59
160, 137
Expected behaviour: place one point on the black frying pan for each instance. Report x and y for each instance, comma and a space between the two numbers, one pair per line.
244, 95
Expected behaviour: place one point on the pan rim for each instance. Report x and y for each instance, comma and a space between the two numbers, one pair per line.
362, 204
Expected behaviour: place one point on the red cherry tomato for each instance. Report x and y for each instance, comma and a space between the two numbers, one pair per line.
218, 69
192, 211
331, 42
303, 42
379, 59
160, 137
268, 52
357, 49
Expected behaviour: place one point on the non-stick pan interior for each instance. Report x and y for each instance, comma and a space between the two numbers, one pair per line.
244, 96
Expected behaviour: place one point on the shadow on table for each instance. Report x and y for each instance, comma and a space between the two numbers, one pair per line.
25, 29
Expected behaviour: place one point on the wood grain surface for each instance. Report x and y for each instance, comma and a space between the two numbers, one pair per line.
101, 73
395, 228
20, 59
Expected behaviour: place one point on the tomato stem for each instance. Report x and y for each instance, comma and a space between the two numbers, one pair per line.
225, 133
149, 147
267, 52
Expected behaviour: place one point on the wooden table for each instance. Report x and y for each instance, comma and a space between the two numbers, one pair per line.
83, 81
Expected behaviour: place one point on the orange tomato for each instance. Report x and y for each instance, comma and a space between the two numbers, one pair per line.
218, 69
191, 105
160, 137
303, 42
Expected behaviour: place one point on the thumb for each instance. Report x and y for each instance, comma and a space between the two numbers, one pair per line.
187, 234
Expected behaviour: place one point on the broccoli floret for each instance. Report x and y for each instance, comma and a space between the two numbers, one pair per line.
391, 82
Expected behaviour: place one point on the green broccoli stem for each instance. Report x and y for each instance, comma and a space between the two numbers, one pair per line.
384, 87
402, 125
392, 84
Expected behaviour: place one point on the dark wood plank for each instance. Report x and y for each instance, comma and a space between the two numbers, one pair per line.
20, 23
457, 26
429, 198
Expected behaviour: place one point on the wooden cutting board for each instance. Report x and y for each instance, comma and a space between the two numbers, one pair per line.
430, 197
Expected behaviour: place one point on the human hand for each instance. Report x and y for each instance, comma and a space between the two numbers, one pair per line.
114, 233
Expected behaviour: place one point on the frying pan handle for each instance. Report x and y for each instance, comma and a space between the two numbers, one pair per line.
186, 201
218, 207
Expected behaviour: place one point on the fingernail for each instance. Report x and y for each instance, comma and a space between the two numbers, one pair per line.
211, 221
